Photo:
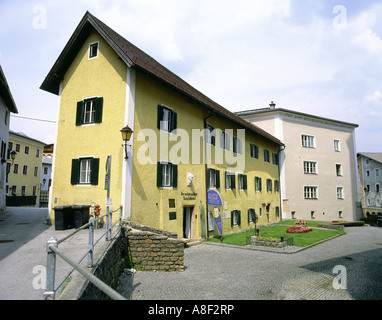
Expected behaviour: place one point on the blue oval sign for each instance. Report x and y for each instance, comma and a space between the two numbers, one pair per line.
213, 198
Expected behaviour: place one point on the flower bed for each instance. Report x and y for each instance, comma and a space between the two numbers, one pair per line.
299, 229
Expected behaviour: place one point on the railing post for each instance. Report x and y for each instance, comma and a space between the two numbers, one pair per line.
49, 293
91, 242
110, 223
120, 214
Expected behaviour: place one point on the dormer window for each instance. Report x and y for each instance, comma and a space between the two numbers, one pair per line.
93, 50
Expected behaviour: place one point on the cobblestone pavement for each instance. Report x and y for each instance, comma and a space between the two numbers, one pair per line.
214, 272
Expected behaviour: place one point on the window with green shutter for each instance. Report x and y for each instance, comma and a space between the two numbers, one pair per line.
167, 119
85, 171
242, 181
167, 175
89, 111
235, 218
213, 178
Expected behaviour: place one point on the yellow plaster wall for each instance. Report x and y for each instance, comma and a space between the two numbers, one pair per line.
29, 180
150, 204
104, 76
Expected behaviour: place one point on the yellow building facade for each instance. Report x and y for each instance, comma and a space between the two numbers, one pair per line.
183, 144
25, 171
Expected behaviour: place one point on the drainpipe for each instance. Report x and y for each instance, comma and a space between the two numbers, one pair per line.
282, 148
206, 169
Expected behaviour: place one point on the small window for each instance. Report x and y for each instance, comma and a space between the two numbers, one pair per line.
171, 203
310, 192
23, 190
26, 150
224, 140
338, 170
266, 155
340, 193
337, 145
213, 178
45, 170
257, 184
277, 186
307, 141
25, 169
235, 218
237, 145
16, 168
167, 119
229, 180
34, 190
37, 153
167, 175
275, 158
377, 187
269, 185
242, 181
35, 171
17, 147
85, 171
211, 134
254, 151
251, 215
310, 167
89, 111
93, 50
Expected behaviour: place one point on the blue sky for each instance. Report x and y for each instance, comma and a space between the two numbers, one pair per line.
319, 57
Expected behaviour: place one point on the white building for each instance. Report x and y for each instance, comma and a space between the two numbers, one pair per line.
318, 173
370, 173
7, 105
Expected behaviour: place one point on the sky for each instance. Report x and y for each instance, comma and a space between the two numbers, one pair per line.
321, 57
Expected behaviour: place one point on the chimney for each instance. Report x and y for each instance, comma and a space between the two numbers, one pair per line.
272, 105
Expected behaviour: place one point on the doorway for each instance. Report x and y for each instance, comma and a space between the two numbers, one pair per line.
188, 222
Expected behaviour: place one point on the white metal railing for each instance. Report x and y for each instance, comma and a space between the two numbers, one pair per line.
52, 251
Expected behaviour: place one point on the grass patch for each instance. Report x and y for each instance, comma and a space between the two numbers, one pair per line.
278, 230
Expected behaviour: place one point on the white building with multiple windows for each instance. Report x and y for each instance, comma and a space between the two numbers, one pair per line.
370, 172
318, 176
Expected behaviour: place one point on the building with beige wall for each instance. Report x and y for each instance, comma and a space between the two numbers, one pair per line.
318, 173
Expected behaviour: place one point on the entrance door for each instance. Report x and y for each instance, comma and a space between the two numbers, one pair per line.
187, 222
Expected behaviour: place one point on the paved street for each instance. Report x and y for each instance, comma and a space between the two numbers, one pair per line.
212, 271
217, 272
23, 237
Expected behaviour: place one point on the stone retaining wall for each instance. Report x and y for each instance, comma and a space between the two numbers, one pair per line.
255, 242
149, 250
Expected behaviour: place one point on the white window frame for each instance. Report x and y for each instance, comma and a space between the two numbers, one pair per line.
224, 140
90, 50
339, 173
166, 174
85, 171
310, 167
258, 182
340, 193
254, 151
308, 141
90, 102
310, 192
337, 145
212, 182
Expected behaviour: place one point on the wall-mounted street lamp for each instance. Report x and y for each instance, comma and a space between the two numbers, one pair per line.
13, 157
126, 135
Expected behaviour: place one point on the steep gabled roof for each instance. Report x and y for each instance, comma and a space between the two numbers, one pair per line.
6, 94
135, 57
